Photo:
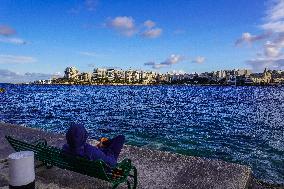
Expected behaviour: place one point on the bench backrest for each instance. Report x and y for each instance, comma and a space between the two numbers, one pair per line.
50, 155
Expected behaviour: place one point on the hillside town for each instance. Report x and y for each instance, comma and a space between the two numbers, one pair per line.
111, 76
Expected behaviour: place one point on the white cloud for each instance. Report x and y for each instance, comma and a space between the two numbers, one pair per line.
271, 50
259, 64
7, 76
173, 59
6, 30
149, 24
123, 24
12, 59
199, 60
16, 41
276, 11
158, 66
154, 65
178, 72
275, 17
152, 33
249, 38
277, 26
279, 40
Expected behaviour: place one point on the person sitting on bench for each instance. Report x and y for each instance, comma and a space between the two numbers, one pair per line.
107, 150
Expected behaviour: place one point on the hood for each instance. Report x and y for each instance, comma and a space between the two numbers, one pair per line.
76, 135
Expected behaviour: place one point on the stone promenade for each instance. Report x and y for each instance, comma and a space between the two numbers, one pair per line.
156, 169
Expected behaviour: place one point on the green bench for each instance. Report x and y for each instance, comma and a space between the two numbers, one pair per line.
52, 156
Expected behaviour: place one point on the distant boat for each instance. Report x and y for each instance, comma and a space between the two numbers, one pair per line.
2, 90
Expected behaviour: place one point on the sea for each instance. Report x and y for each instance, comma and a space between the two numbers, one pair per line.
243, 125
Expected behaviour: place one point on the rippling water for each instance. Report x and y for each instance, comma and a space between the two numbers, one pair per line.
237, 124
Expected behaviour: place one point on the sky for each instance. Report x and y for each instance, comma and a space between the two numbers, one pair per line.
39, 39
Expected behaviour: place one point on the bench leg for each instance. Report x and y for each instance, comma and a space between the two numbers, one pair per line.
134, 176
128, 185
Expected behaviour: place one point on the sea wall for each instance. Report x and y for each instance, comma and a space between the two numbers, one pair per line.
156, 169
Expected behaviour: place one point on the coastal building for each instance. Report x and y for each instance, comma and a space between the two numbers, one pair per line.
149, 77
243, 72
206, 75
169, 77
99, 74
136, 75
232, 80
85, 77
130, 76
43, 81
176, 77
189, 76
161, 78
247, 80
71, 73
278, 80
262, 78
119, 76
110, 76
277, 77
239, 77
220, 74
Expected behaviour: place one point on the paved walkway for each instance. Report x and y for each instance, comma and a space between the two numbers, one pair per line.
156, 169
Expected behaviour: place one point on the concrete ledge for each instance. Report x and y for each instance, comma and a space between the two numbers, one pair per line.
156, 169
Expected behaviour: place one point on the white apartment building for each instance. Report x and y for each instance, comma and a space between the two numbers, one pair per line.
99, 73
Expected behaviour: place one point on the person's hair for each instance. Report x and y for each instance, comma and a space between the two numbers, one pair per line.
105, 141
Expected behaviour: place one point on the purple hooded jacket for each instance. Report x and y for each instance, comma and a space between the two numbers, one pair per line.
76, 137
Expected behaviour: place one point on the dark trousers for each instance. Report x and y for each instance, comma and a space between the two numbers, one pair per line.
116, 145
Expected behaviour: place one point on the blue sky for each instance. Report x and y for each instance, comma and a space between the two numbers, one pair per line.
44, 37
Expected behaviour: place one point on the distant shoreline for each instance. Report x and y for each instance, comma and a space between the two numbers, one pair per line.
110, 84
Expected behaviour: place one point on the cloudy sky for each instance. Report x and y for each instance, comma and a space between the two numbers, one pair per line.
39, 39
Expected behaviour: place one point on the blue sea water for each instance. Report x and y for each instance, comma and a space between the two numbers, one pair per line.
236, 124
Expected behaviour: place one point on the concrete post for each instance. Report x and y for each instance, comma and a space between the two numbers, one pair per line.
21, 170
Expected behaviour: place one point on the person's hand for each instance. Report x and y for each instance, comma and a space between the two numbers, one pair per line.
103, 142
116, 173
